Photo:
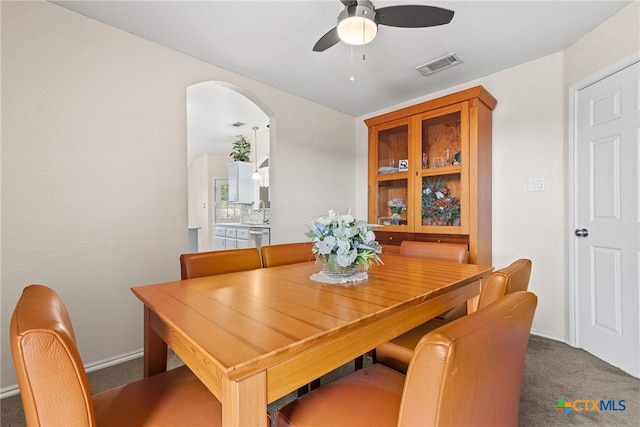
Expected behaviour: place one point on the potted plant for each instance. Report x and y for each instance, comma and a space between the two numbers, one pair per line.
241, 150
397, 206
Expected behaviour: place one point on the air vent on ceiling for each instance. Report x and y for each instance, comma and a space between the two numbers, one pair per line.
238, 124
439, 64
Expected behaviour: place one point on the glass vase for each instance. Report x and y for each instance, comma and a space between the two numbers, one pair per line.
330, 267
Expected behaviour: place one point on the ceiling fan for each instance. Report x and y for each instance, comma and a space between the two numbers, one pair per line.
358, 22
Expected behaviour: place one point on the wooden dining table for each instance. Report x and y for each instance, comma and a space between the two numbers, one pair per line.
254, 336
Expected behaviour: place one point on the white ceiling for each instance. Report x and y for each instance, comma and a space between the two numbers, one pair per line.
271, 42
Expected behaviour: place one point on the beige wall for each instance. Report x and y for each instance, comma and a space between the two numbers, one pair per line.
615, 39
530, 140
94, 170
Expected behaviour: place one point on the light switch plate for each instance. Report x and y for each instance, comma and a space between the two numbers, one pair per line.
536, 184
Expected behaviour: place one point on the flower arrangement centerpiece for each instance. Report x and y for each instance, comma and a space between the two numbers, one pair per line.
341, 243
397, 206
439, 206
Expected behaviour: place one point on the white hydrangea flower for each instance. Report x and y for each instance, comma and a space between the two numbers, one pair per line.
347, 259
346, 219
326, 246
343, 246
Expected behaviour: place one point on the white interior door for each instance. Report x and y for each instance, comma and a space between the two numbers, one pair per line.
607, 217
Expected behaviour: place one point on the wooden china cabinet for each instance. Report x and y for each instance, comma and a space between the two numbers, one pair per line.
436, 157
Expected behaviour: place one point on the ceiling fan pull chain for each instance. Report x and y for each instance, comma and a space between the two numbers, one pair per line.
353, 77
363, 36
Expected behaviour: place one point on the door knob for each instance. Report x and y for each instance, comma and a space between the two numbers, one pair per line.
582, 233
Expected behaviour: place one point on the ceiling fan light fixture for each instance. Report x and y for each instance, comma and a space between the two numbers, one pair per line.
358, 22
356, 25
357, 30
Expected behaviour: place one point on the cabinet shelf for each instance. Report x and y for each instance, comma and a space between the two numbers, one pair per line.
452, 200
445, 170
393, 176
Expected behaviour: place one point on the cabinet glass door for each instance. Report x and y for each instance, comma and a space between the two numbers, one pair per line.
392, 151
444, 149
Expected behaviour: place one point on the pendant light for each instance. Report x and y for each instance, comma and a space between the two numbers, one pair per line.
256, 174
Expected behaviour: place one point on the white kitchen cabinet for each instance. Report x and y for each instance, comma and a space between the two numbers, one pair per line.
242, 238
219, 238
231, 237
240, 183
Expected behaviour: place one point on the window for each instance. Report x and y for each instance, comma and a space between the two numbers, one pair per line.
225, 211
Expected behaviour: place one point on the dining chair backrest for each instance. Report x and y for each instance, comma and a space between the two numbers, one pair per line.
287, 253
454, 252
42, 344
515, 277
203, 264
512, 278
469, 371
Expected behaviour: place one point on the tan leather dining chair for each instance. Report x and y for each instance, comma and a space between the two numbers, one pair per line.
202, 264
397, 352
466, 373
287, 253
54, 386
454, 252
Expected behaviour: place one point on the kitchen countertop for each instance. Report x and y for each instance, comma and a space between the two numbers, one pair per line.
242, 224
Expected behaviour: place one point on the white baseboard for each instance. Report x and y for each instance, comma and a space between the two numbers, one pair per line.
12, 390
113, 361
550, 336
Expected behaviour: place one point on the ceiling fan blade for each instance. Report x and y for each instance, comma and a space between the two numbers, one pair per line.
413, 16
327, 40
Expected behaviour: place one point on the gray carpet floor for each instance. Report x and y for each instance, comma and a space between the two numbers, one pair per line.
553, 370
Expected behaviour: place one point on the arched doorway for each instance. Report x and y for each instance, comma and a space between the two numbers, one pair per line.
217, 115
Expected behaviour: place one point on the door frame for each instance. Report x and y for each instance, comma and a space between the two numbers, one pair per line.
574, 91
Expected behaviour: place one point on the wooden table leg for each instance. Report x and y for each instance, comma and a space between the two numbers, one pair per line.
314, 384
303, 390
244, 402
472, 304
358, 362
155, 349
